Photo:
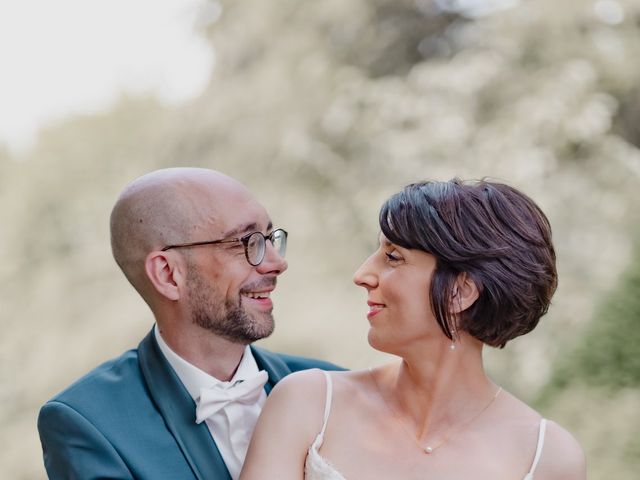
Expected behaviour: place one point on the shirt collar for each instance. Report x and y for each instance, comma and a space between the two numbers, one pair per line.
195, 379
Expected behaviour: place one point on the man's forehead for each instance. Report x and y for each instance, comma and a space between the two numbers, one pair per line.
231, 214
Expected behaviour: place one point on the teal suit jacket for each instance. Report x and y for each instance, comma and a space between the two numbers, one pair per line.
132, 418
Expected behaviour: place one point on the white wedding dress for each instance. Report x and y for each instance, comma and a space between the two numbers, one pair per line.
317, 467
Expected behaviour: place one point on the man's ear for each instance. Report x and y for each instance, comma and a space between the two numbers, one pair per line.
464, 294
164, 273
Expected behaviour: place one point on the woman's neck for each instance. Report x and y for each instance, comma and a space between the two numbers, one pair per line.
435, 392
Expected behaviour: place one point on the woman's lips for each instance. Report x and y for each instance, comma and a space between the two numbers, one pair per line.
374, 309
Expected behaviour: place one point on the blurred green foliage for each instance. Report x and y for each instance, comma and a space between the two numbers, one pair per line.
595, 385
607, 353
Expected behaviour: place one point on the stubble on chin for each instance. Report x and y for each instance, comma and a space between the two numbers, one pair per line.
230, 320
223, 317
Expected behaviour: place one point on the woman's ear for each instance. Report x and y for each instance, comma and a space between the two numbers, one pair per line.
164, 274
465, 293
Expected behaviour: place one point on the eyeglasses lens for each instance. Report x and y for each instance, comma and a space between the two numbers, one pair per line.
279, 240
255, 248
256, 245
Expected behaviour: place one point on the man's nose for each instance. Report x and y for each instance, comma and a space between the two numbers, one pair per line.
272, 262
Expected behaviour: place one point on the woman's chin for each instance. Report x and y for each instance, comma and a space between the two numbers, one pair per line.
378, 343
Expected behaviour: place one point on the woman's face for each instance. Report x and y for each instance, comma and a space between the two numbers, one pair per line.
397, 281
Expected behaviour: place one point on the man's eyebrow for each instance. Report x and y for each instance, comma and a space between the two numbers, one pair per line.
245, 228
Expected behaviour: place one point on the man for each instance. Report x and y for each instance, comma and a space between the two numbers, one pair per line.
203, 254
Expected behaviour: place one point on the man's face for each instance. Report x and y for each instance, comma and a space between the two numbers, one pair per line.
226, 295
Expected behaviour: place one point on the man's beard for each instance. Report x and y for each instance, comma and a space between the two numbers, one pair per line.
230, 320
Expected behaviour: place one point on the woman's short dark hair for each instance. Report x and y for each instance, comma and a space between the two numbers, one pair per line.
492, 232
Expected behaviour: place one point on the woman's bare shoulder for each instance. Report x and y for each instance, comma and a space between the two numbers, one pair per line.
294, 410
350, 380
299, 388
562, 456
290, 420
354, 389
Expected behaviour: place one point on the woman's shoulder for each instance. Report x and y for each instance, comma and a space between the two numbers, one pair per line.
313, 384
302, 393
562, 456
289, 422
316, 379
303, 384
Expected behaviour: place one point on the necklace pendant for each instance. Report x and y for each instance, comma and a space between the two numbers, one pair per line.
428, 449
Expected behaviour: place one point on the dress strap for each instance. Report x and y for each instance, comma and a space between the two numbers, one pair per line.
536, 458
327, 405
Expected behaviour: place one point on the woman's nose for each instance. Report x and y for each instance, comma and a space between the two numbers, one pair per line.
365, 276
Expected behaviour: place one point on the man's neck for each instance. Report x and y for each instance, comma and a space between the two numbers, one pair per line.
212, 354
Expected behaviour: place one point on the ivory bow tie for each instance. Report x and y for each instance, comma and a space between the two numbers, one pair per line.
220, 395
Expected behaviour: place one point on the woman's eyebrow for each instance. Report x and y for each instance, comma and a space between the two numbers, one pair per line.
384, 241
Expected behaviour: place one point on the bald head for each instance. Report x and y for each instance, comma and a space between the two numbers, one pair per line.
166, 207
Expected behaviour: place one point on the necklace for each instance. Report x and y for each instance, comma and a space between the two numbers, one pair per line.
429, 448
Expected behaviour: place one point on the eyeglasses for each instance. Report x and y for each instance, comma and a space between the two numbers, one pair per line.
255, 244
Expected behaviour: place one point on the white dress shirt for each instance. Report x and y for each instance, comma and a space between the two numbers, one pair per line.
231, 427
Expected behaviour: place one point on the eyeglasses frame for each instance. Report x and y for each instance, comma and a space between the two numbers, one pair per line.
244, 239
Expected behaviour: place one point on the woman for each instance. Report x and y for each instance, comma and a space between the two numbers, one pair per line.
459, 266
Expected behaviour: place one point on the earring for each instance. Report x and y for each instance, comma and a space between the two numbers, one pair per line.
452, 346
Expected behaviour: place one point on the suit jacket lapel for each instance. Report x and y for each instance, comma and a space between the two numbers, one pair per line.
179, 412
273, 364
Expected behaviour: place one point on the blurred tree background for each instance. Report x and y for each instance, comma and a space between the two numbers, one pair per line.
324, 109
